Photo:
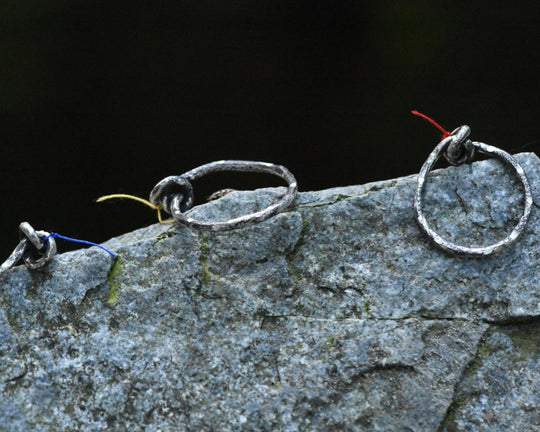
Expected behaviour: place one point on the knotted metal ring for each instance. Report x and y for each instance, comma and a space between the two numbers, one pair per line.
458, 149
36, 249
175, 194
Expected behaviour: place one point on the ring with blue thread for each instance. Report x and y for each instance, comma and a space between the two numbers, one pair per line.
37, 248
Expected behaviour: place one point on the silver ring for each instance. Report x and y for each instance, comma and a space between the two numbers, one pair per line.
486, 149
26, 230
175, 194
45, 254
36, 249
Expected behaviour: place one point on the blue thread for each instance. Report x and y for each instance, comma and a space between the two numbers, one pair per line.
56, 235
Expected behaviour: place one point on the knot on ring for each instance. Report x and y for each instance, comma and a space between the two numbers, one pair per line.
172, 187
460, 149
40, 248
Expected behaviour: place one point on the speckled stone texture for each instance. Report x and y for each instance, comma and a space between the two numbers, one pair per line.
337, 315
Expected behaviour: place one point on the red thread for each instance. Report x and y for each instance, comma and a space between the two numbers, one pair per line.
433, 122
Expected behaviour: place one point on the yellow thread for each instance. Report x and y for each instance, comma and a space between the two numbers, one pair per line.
141, 200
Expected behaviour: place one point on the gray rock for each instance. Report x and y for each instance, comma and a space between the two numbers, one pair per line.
335, 315
506, 370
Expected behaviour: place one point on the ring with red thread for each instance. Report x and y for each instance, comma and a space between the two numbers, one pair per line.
459, 149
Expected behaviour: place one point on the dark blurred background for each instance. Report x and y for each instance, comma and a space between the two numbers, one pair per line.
109, 97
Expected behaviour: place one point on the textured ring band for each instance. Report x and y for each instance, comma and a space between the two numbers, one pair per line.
44, 251
462, 250
32, 248
176, 201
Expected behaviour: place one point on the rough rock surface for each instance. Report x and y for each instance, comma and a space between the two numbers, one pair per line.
337, 315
